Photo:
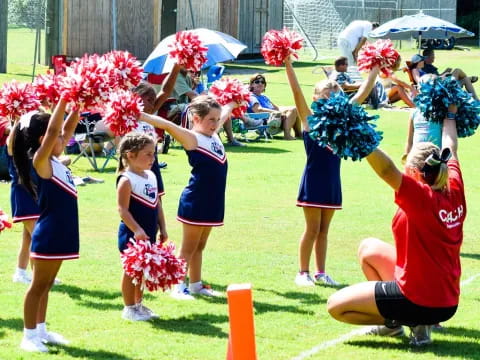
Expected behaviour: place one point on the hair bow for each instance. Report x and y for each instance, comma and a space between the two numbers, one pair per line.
433, 161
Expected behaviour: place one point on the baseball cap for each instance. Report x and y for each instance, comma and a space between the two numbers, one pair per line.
417, 58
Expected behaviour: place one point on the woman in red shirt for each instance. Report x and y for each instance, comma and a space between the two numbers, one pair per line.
416, 282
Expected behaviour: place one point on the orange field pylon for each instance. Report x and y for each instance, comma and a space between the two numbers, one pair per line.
241, 341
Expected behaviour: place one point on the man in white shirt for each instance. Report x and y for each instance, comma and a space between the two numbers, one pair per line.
352, 38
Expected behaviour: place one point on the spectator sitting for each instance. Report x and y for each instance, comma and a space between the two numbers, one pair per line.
459, 74
341, 76
261, 103
397, 89
376, 98
417, 63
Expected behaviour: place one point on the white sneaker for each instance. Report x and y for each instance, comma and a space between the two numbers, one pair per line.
325, 280
22, 277
205, 290
382, 330
51, 337
146, 311
181, 292
33, 345
131, 313
420, 335
304, 279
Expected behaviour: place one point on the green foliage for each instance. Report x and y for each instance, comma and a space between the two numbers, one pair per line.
27, 13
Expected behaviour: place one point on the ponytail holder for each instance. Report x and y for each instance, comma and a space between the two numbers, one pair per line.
433, 161
451, 116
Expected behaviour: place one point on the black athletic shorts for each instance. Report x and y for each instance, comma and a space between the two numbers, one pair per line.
398, 310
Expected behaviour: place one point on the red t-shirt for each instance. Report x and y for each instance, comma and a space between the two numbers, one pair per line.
428, 232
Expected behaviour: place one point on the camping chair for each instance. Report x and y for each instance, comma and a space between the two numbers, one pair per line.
214, 73
261, 131
59, 63
87, 137
407, 70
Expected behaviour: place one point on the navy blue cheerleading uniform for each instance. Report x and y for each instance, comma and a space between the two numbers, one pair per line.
146, 128
203, 200
320, 185
55, 235
142, 206
24, 206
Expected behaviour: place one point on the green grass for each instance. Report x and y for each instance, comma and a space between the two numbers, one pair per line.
20, 54
258, 244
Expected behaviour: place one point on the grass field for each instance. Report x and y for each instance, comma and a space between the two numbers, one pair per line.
258, 245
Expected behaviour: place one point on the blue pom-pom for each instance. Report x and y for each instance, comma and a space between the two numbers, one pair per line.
344, 127
438, 93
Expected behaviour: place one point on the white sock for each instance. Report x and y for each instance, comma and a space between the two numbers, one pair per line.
196, 285
20, 271
133, 307
29, 333
41, 329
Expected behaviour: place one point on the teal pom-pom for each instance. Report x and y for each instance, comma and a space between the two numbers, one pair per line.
438, 93
345, 127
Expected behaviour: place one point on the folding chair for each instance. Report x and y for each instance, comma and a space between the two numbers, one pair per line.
59, 63
87, 137
407, 70
261, 131
214, 73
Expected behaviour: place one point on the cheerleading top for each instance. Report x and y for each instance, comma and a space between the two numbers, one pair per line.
149, 130
428, 232
142, 206
424, 130
55, 235
203, 200
24, 207
320, 185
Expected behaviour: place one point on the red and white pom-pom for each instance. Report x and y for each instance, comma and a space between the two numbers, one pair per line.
4, 222
46, 89
188, 51
277, 45
381, 53
124, 71
227, 90
121, 111
86, 82
152, 265
17, 99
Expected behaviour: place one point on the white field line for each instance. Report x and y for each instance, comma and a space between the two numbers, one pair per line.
355, 332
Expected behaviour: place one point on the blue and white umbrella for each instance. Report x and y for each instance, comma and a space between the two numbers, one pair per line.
221, 47
419, 26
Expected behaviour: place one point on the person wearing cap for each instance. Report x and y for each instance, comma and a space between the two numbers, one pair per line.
415, 282
459, 74
417, 62
352, 38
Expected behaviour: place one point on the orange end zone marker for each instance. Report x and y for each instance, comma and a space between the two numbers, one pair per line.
241, 341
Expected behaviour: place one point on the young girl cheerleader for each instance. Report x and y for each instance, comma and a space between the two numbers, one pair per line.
202, 202
24, 210
320, 191
55, 236
137, 200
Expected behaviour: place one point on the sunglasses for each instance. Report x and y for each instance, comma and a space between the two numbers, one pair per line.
259, 81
